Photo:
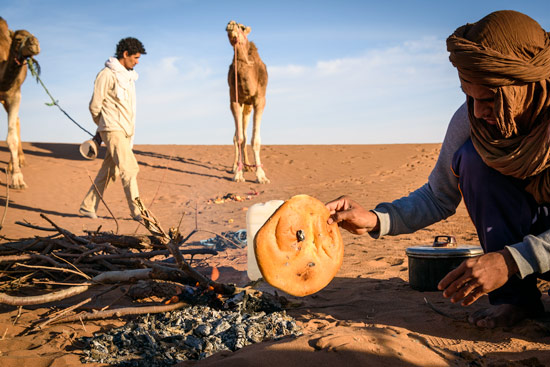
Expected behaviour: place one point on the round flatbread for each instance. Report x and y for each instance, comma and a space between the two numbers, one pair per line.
297, 251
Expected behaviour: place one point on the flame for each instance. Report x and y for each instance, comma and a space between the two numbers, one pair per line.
215, 273
174, 299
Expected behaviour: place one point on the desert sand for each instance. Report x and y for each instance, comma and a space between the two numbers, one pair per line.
367, 316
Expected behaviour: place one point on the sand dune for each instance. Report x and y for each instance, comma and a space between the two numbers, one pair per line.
368, 315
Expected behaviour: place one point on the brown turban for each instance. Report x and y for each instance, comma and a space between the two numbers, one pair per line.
509, 53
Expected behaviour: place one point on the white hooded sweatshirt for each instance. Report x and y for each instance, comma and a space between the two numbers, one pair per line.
113, 104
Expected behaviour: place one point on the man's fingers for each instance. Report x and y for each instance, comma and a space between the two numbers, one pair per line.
342, 203
464, 288
350, 215
450, 278
474, 295
341, 216
346, 220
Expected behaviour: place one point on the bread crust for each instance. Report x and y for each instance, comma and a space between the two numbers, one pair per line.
297, 251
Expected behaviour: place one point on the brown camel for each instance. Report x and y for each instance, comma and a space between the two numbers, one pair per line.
246, 92
15, 48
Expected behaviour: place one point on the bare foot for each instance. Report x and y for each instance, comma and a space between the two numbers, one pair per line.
499, 315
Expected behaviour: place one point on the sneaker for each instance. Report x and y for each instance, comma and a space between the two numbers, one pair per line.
86, 213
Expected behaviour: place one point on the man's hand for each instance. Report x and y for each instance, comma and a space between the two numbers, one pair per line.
478, 276
351, 216
97, 139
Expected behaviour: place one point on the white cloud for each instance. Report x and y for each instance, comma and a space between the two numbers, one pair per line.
404, 94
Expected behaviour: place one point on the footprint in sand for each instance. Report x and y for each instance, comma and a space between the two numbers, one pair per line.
383, 173
338, 342
377, 263
392, 261
374, 344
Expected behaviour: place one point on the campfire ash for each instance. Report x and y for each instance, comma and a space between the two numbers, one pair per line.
192, 333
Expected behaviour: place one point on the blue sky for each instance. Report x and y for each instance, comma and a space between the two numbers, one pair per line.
340, 72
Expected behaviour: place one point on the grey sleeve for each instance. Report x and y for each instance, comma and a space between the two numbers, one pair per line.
439, 197
435, 200
532, 255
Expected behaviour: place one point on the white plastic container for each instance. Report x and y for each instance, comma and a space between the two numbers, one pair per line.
256, 216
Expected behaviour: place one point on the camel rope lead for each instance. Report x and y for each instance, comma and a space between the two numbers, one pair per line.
54, 102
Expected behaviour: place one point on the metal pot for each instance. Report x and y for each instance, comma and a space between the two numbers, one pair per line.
429, 264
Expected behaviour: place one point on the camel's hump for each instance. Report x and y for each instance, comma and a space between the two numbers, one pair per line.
5, 40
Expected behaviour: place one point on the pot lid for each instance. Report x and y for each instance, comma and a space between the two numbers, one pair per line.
445, 246
458, 251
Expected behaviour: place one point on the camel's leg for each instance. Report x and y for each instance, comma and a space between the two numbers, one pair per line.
238, 139
13, 141
235, 137
247, 111
21, 155
256, 141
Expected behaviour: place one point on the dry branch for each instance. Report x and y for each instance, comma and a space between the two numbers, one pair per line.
101, 197
67, 245
106, 257
62, 313
106, 277
45, 298
7, 198
30, 257
149, 254
137, 241
152, 224
120, 312
31, 244
68, 235
29, 225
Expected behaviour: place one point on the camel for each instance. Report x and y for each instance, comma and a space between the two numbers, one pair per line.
246, 92
15, 48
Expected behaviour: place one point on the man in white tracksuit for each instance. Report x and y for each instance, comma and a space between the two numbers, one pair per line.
113, 109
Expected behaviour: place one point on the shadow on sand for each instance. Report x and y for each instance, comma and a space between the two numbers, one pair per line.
54, 150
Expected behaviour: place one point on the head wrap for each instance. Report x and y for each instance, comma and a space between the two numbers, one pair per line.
509, 52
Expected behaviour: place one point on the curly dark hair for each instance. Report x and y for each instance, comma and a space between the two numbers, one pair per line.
130, 44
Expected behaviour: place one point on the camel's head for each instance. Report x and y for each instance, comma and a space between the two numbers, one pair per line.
237, 33
24, 44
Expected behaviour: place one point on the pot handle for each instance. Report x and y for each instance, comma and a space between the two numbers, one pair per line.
444, 241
